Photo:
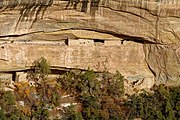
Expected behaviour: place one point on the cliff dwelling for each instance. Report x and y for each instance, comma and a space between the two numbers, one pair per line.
140, 38
89, 59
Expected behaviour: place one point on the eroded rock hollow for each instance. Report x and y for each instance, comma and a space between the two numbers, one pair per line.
140, 38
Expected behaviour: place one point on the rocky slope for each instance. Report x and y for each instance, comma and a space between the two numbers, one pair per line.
140, 38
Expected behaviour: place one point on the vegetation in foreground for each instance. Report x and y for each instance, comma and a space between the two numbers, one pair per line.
97, 97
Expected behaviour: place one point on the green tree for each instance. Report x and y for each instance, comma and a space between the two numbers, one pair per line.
41, 71
159, 105
98, 94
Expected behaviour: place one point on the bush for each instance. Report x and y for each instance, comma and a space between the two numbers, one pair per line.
94, 94
8, 107
159, 105
71, 114
115, 87
40, 71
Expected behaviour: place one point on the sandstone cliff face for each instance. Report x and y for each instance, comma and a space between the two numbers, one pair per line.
140, 38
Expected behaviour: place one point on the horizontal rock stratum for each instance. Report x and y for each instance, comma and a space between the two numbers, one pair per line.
140, 38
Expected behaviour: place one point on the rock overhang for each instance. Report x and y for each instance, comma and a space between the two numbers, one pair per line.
150, 27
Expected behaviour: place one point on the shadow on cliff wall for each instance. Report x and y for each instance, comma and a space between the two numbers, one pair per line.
94, 4
30, 10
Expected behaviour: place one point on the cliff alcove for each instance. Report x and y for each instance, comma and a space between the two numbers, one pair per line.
141, 37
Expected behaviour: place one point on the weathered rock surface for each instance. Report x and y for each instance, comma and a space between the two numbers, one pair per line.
140, 38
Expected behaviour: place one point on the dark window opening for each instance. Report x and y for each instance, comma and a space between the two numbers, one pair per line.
14, 76
98, 41
66, 41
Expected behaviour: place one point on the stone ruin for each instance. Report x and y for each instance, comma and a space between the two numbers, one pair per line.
140, 38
